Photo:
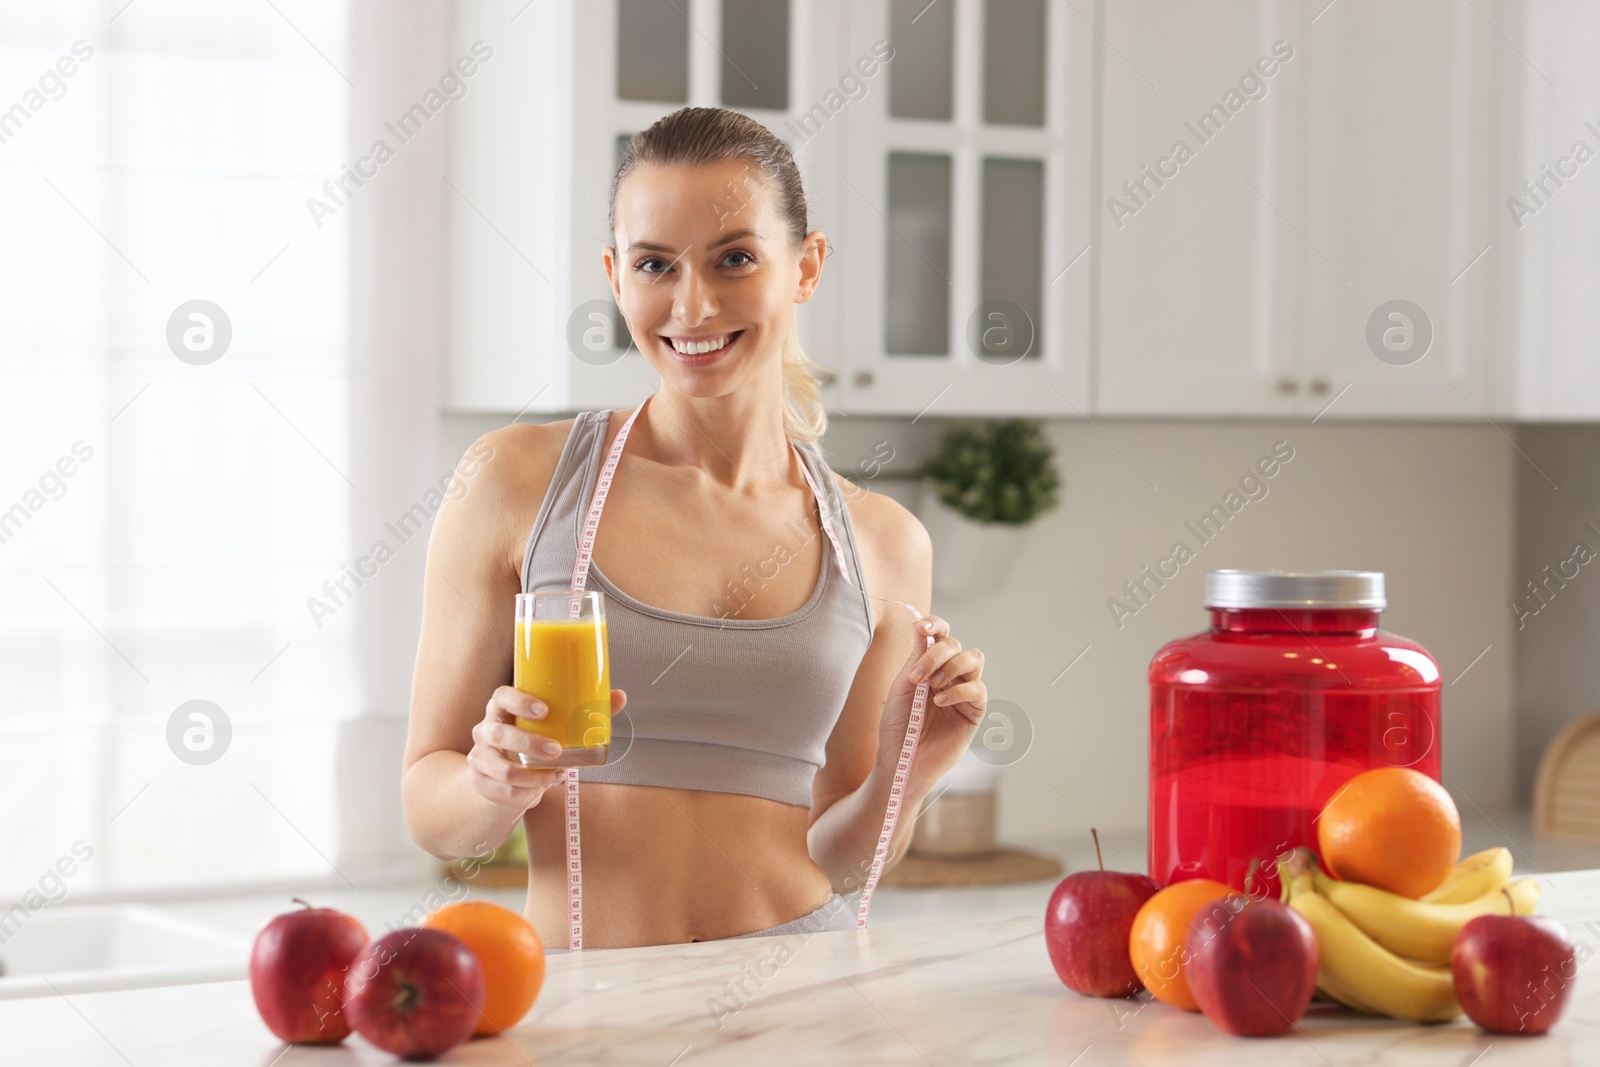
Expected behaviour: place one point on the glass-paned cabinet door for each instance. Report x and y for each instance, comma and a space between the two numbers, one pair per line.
755, 54
967, 206
916, 249
652, 51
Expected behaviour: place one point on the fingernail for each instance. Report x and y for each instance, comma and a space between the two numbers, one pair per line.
938, 678
550, 748
927, 624
917, 672
537, 709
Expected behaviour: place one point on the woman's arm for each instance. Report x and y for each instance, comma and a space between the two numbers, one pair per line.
460, 794
851, 792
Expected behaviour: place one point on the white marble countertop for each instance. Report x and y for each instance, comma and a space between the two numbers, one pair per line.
961, 991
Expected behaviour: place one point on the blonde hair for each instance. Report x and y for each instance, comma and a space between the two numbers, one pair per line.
698, 136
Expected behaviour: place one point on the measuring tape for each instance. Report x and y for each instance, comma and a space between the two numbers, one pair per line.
580, 578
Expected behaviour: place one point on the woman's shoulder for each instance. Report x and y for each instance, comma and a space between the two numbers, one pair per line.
500, 481
527, 448
894, 544
515, 460
876, 515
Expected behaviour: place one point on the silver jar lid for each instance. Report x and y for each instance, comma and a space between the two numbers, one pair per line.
1295, 589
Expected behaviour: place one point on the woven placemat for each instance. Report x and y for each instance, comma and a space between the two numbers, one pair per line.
490, 875
1002, 866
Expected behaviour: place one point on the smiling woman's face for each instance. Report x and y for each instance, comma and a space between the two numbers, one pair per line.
706, 273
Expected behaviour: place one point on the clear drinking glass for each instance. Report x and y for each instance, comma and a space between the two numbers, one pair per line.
561, 658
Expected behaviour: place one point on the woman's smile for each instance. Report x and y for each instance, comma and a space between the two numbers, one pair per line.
701, 350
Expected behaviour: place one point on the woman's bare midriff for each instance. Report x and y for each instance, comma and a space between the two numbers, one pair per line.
669, 866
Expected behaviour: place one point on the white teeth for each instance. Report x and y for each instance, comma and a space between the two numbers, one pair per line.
699, 348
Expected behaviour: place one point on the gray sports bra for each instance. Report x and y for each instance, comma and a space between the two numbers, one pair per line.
715, 702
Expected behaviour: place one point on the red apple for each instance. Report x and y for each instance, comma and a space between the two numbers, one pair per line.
1514, 973
415, 992
297, 971
1252, 965
1086, 927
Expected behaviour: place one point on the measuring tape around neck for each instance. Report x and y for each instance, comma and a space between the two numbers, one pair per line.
902, 770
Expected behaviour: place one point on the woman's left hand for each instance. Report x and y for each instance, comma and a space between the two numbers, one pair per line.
957, 698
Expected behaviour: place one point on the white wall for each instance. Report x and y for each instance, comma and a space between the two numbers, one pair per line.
1426, 505
1429, 505
1556, 677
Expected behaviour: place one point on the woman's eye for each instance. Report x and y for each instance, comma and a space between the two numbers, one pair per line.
737, 258
644, 266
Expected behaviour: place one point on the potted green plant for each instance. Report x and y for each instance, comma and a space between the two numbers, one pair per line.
988, 479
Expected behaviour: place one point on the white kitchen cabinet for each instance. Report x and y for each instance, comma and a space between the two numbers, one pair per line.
1245, 284
994, 205
1197, 311
1334, 159
1551, 239
965, 182
1396, 162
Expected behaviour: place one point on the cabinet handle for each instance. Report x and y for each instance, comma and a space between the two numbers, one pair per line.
1320, 386
863, 377
1288, 385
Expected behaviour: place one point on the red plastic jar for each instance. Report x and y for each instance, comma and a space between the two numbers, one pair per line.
1258, 721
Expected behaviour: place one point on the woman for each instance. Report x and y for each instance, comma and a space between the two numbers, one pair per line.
765, 730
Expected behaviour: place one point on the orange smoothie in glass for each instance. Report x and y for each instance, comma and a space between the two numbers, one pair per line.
564, 662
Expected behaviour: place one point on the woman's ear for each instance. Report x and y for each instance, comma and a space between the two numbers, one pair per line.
813, 252
608, 256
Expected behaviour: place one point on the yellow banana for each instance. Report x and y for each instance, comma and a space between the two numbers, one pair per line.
1416, 930
1350, 963
1331, 987
1480, 873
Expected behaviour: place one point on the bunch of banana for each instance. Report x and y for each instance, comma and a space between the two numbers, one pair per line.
1480, 873
1418, 929
1385, 954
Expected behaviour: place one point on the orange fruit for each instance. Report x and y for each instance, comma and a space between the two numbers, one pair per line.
1391, 827
509, 950
1155, 944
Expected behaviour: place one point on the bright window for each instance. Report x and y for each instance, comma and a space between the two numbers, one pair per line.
163, 519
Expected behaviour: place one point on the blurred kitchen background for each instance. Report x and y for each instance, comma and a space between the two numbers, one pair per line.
240, 346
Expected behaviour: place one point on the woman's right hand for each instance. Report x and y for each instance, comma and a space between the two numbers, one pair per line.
492, 764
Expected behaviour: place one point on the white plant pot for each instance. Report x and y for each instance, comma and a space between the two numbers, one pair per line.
960, 821
968, 557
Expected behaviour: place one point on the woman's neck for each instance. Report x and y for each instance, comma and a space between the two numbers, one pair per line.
738, 439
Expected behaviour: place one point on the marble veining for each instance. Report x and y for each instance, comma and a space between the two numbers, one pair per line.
963, 992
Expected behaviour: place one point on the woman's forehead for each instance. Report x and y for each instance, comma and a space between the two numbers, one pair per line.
682, 204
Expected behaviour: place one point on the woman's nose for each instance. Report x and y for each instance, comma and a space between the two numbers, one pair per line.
694, 301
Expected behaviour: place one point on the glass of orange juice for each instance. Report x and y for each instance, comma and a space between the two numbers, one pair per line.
561, 657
